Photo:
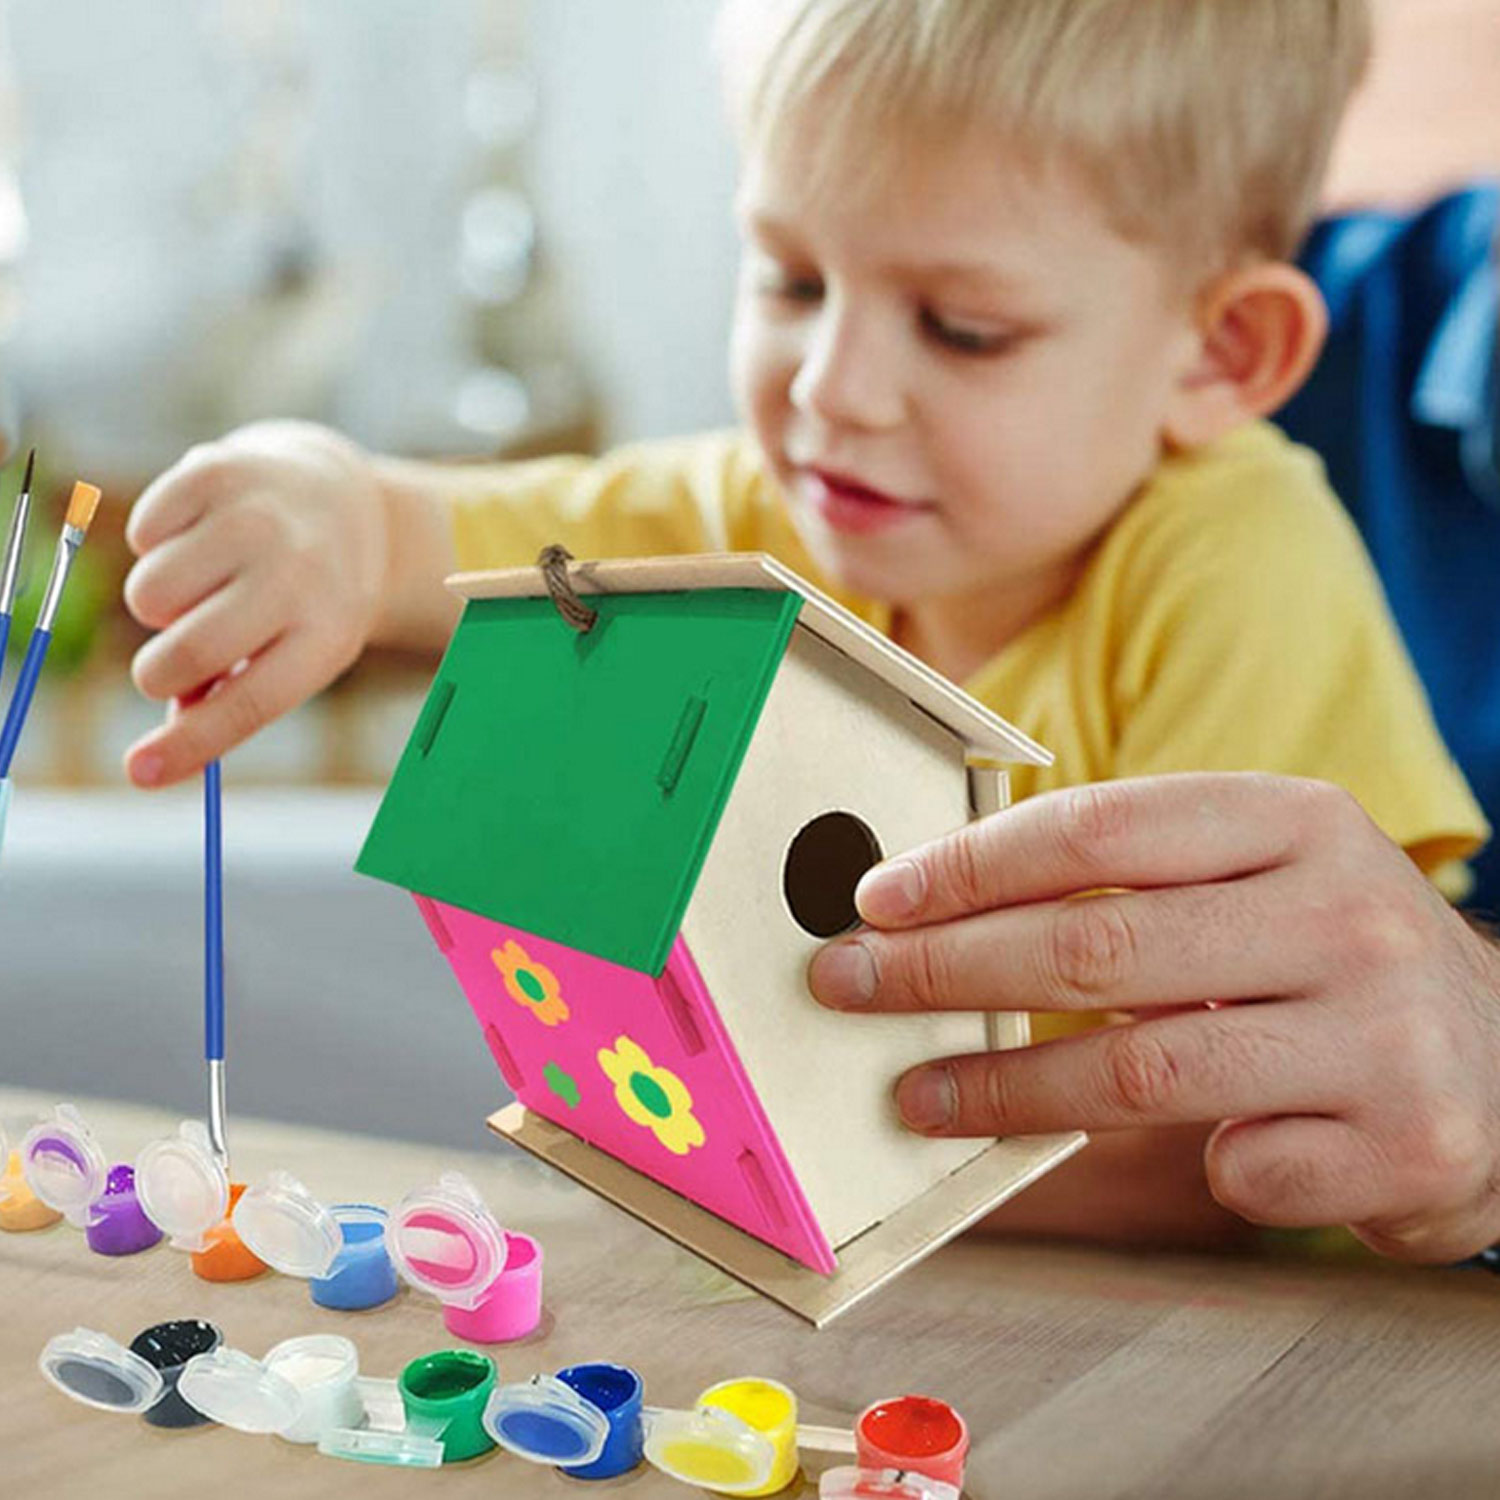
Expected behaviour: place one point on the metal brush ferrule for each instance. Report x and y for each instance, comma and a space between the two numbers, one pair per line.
67, 549
218, 1136
10, 574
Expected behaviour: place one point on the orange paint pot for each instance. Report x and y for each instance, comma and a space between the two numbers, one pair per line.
917, 1434
20, 1209
226, 1257
186, 1192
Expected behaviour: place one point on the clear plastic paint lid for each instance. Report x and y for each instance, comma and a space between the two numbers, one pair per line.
709, 1448
182, 1185
96, 1370
387, 1436
282, 1224
231, 1388
445, 1241
849, 1483
546, 1421
64, 1163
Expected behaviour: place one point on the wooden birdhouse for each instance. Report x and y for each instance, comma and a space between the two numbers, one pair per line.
637, 800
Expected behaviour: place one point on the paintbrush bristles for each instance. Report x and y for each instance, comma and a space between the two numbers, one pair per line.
82, 504
30, 465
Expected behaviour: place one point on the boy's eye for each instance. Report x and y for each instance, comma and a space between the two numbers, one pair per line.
964, 338
789, 286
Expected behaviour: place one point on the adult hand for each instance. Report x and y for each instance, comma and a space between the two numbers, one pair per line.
263, 561
1293, 980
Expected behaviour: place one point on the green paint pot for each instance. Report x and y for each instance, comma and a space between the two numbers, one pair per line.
451, 1387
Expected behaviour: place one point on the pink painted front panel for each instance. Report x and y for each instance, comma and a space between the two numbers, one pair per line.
559, 1023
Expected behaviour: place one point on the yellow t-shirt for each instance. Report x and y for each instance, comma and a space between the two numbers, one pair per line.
1229, 620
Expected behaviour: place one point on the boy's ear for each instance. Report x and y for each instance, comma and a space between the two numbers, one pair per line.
1260, 330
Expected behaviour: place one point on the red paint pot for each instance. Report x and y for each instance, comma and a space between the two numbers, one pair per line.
918, 1434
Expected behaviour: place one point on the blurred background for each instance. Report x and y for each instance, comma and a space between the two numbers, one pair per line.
455, 228
459, 228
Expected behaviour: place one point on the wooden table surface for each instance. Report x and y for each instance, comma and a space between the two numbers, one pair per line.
1082, 1373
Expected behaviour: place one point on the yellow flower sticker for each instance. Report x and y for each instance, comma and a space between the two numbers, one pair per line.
651, 1096
531, 985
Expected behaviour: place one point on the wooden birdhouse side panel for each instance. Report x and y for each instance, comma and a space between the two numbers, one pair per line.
639, 1067
832, 737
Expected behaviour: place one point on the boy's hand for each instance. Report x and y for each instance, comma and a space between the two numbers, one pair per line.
263, 565
1294, 979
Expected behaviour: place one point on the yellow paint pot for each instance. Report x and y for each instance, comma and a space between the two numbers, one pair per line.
709, 1449
770, 1408
20, 1208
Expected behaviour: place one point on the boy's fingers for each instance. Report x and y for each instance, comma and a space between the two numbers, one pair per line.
1176, 1070
272, 684
236, 624
1178, 946
180, 573
178, 499
1164, 830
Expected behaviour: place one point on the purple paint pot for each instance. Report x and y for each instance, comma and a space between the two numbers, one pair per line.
117, 1223
64, 1164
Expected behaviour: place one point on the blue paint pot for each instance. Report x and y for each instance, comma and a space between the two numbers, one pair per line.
584, 1421
339, 1251
616, 1390
362, 1274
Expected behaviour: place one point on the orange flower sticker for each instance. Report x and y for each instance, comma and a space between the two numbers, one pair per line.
531, 985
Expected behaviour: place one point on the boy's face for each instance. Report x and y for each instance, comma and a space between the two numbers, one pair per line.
959, 376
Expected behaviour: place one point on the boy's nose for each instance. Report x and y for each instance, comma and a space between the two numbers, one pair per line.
846, 375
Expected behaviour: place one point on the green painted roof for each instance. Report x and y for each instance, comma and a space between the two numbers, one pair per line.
571, 784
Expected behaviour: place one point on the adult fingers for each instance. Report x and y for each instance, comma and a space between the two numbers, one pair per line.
235, 624
1175, 946
276, 681
1435, 1208
1155, 831
1297, 1171
1194, 1067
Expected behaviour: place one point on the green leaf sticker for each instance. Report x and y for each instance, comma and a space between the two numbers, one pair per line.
562, 1084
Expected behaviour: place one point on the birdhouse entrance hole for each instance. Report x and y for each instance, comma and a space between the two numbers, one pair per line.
823, 865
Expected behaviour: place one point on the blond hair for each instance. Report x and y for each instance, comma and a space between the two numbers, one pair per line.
1203, 125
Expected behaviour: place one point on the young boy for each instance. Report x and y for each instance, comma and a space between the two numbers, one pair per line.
1016, 298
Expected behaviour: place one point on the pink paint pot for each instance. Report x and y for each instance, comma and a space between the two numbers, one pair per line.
512, 1307
917, 1434
444, 1241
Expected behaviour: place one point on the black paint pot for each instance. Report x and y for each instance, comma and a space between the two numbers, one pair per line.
167, 1347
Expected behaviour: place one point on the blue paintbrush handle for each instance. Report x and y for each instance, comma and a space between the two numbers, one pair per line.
4, 640
213, 915
20, 701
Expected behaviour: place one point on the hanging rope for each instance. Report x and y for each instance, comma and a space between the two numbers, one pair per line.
553, 561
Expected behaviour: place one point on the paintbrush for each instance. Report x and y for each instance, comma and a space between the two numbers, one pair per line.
10, 569
213, 958
82, 504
